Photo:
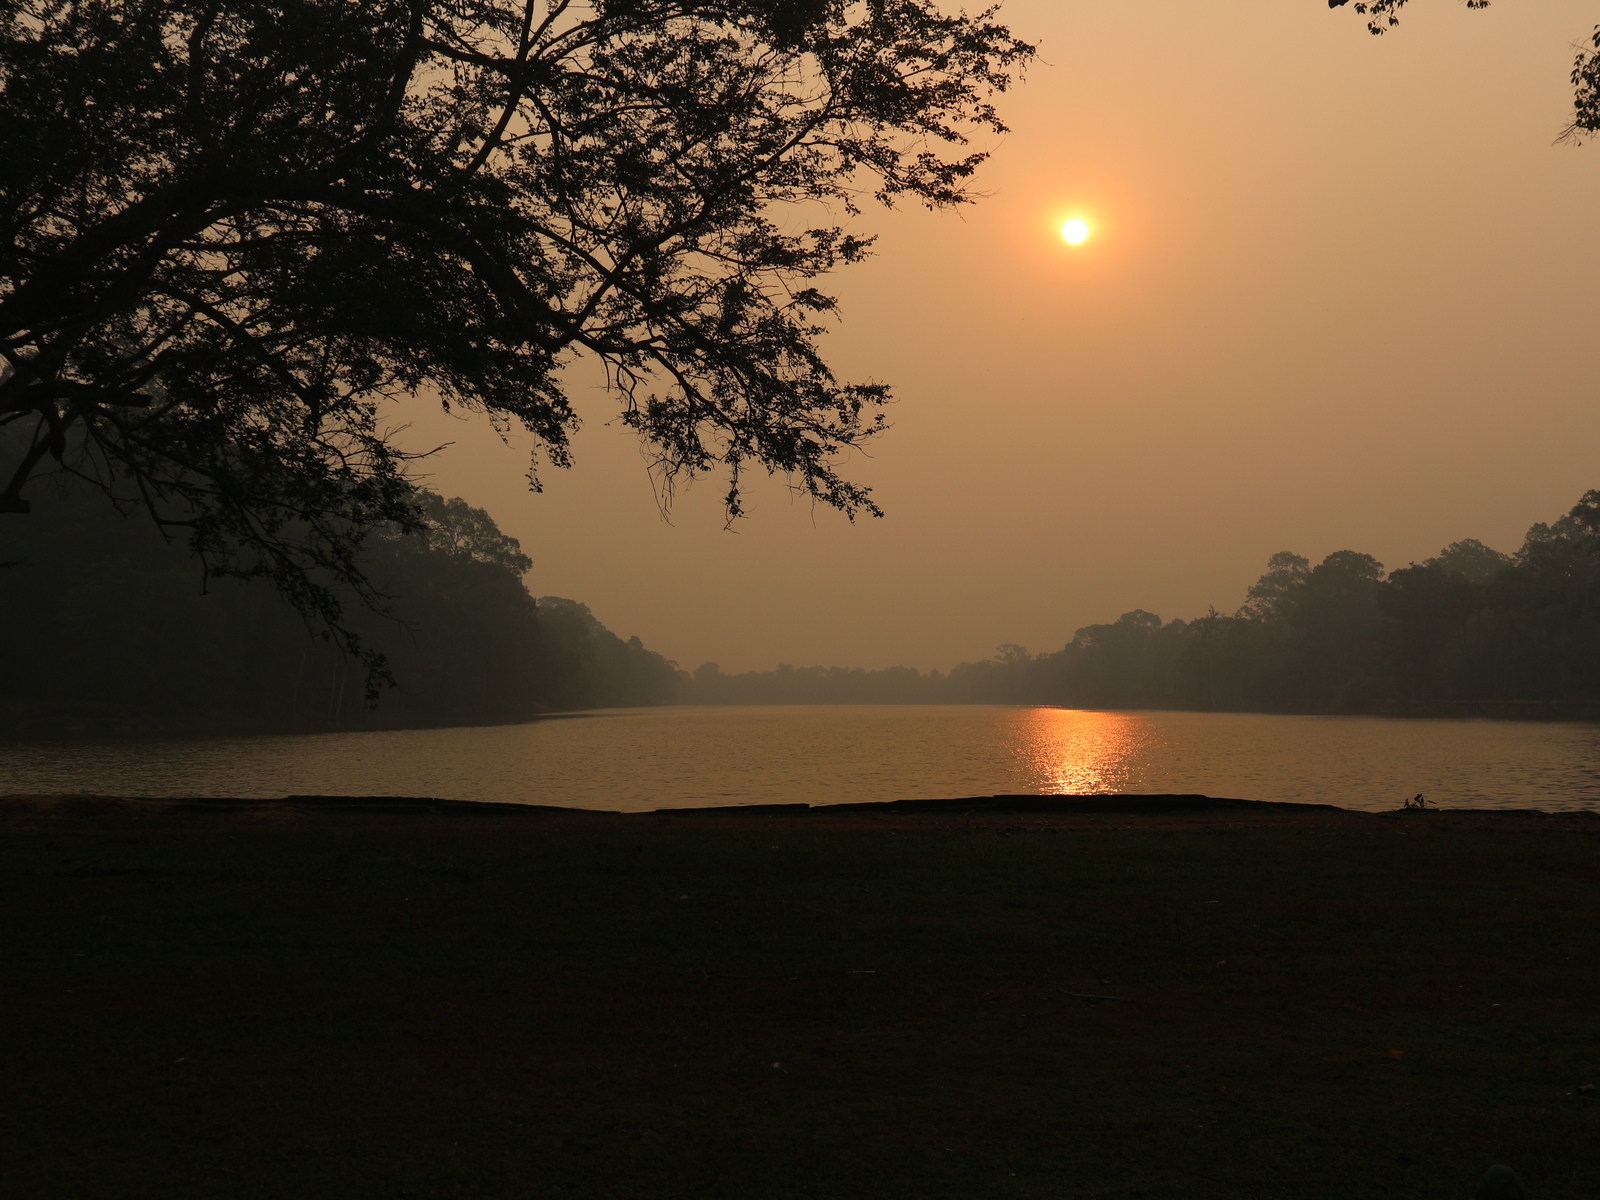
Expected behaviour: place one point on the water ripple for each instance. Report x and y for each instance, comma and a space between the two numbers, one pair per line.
678, 757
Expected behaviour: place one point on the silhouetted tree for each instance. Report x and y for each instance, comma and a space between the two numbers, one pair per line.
112, 633
1471, 560
1545, 610
588, 666
1428, 607
1334, 616
1122, 664
1383, 15
236, 229
1268, 598
1470, 630
1011, 676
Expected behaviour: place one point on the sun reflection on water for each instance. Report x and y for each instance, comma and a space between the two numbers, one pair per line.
1069, 752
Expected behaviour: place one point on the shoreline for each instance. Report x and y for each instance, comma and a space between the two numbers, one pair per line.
1123, 812
67, 732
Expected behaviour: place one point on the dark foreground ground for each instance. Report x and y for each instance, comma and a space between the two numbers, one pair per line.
299, 1003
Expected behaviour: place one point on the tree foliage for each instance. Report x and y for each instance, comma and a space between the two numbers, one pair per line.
120, 640
236, 230
1470, 630
1383, 15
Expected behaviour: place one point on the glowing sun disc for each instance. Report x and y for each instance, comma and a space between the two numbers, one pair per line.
1074, 232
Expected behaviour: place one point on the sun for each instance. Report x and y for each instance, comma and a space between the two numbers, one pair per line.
1074, 232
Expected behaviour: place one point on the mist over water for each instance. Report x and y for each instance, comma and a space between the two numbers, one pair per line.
675, 757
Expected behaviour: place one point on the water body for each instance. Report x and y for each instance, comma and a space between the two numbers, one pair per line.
640, 759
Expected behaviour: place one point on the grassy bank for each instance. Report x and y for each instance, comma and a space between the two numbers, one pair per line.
288, 1005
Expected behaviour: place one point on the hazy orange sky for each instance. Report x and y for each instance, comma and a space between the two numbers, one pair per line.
1340, 294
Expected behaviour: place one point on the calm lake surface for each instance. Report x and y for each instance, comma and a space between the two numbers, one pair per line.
635, 759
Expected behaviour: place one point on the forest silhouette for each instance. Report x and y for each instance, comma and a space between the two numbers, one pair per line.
123, 638
126, 640
1470, 631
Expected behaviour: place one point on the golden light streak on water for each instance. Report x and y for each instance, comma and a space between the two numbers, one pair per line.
1070, 752
642, 759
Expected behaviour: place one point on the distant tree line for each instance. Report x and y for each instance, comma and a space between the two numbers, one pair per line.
108, 629
1470, 630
